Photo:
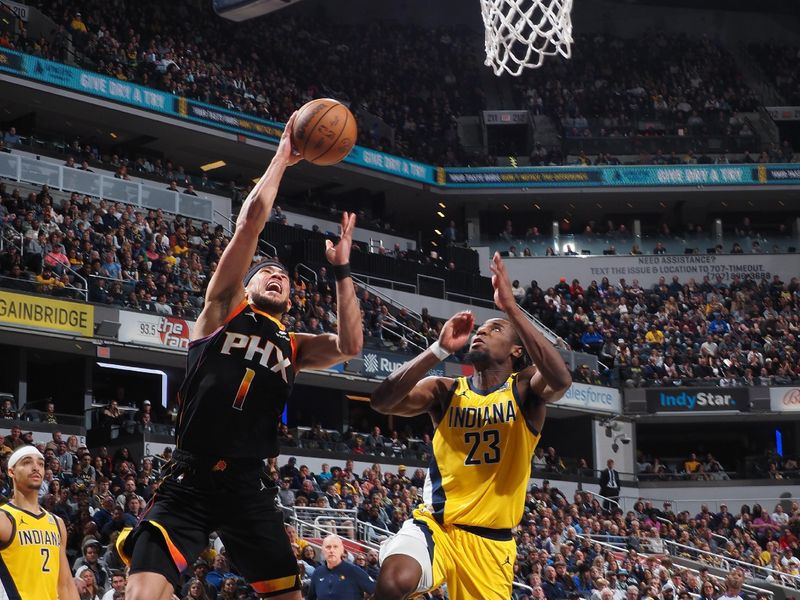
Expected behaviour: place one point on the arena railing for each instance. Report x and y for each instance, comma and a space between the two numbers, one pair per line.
68, 179
726, 562
623, 548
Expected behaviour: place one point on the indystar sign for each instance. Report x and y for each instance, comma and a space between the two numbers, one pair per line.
697, 400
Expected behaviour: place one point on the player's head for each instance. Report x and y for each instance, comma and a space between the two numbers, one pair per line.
496, 343
26, 468
333, 550
268, 287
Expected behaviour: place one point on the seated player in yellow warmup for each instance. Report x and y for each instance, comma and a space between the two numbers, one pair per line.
486, 429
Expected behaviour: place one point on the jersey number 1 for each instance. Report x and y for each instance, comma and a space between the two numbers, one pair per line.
244, 387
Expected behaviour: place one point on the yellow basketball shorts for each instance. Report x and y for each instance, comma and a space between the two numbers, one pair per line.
475, 566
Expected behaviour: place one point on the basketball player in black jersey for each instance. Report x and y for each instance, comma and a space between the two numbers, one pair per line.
240, 370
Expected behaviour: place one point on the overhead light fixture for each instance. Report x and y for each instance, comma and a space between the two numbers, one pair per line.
442, 205
536, 206
437, 232
212, 165
440, 213
113, 135
434, 244
506, 206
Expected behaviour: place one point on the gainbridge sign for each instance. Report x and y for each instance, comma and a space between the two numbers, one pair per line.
784, 399
154, 330
46, 313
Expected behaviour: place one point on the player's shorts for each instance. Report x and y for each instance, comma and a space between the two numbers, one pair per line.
196, 496
476, 563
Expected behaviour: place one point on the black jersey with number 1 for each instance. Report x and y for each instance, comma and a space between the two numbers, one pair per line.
238, 380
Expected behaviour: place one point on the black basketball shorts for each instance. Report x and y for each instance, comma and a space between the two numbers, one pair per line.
199, 495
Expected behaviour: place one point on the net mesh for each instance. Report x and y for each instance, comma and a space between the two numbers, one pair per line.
520, 33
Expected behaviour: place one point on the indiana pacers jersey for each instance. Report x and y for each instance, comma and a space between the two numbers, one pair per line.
482, 451
238, 380
30, 561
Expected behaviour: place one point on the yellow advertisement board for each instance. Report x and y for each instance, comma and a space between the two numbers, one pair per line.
46, 313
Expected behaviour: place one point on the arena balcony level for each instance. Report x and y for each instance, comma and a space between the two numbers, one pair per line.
18, 71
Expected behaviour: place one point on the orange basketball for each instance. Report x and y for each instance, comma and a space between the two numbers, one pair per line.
324, 131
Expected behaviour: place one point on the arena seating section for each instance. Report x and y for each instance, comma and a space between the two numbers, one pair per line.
660, 97
679, 333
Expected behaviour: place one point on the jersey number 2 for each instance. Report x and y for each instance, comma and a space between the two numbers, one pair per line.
46, 554
490, 437
244, 387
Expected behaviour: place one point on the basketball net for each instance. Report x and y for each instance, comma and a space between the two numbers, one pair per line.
520, 33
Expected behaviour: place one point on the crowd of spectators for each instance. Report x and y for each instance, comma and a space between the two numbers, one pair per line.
559, 554
614, 238
654, 85
779, 61
148, 261
271, 67
737, 332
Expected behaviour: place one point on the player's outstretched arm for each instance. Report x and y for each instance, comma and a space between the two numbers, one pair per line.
404, 392
225, 290
325, 350
66, 584
549, 377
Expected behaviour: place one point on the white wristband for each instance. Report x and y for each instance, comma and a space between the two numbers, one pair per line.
438, 351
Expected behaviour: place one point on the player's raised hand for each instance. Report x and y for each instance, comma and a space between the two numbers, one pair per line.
503, 297
339, 254
285, 152
457, 331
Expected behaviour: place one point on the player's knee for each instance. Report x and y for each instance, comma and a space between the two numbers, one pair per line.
399, 578
147, 586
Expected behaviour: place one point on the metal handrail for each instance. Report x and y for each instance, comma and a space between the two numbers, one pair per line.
385, 297
410, 331
745, 566
604, 498
611, 546
230, 231
305, 267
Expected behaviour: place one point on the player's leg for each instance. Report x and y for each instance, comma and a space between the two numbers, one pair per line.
407, 562
173, 532
485, 569
399, 578
255, 539
155, 570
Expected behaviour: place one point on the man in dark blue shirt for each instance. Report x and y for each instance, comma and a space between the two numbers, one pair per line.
336, 579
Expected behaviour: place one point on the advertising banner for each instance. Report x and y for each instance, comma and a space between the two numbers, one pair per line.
784, 113
592, 398
623, 176
50, 314
647, 269
380, 364
697, 400
784, 399
154, 330
96, 85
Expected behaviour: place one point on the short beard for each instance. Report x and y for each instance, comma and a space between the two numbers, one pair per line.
264, 303
477, 357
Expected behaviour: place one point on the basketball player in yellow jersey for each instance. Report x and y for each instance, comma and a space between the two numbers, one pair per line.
33, 542
486, 429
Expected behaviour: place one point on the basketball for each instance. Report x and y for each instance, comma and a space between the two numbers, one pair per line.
324, 132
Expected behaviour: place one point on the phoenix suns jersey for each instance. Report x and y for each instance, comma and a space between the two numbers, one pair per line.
238, 380
481, 464
30, 560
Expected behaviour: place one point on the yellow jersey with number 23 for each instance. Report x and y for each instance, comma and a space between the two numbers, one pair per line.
482, 451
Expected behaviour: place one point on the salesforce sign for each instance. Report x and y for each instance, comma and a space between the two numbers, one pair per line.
696, 400
591, 398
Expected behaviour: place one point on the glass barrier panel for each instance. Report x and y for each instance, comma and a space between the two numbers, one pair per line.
120, 190
8, 165
195, 207
36, 171
156, 198
75, 180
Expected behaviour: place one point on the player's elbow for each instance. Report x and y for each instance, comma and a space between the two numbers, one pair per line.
350, 348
